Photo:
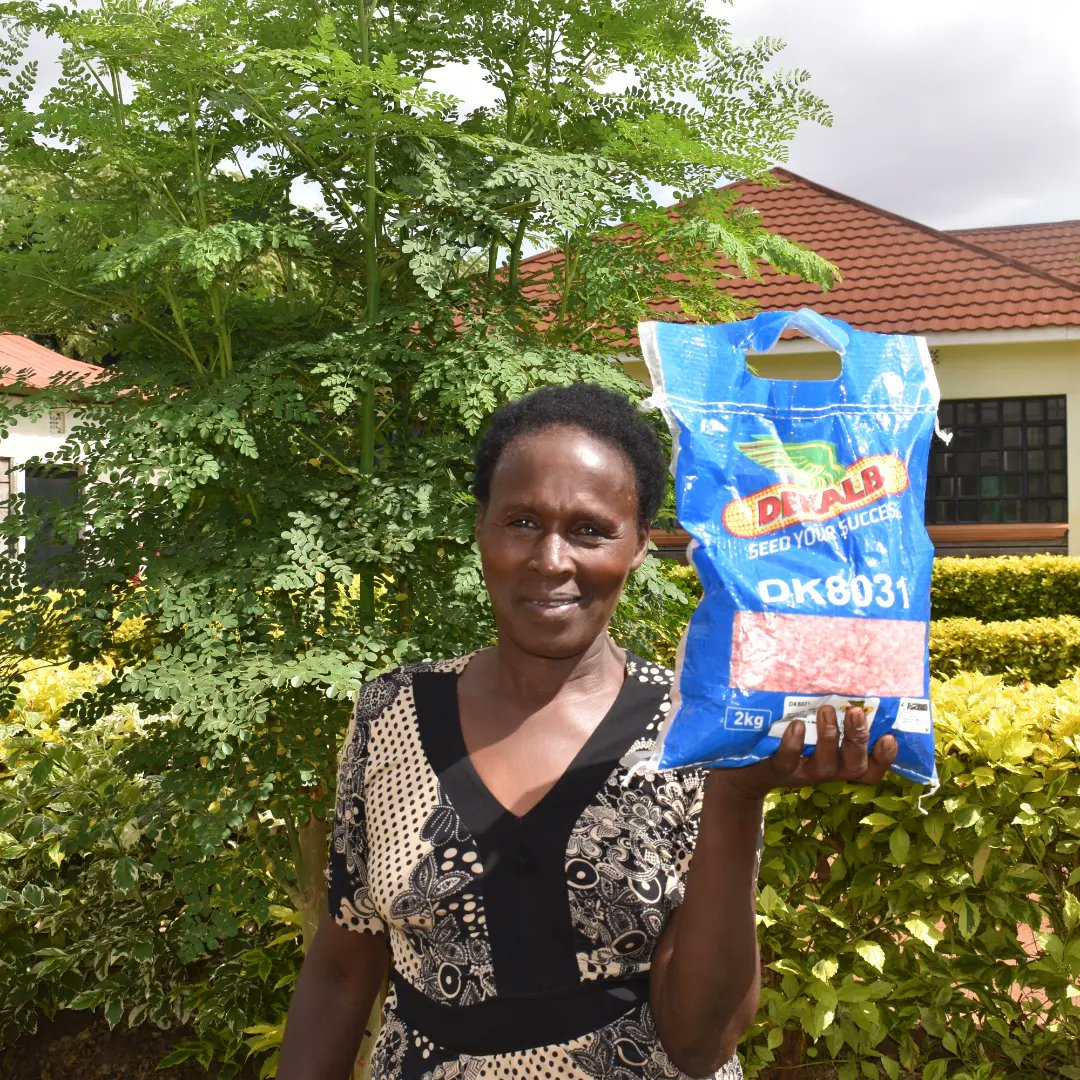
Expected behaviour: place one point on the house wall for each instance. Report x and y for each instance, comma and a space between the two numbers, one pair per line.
27, 439
803, 365
1022, 369
990, 370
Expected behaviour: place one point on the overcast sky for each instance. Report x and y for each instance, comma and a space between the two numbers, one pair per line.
954, 112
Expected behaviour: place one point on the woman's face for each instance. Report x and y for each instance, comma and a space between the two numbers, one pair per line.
557, 539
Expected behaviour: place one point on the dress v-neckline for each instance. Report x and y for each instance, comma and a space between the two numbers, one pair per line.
523, 858
439, 723
584, 755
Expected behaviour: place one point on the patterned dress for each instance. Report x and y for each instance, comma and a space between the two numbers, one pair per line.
508, 934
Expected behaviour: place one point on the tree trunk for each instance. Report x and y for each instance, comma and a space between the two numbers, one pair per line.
362, 1071
310, 874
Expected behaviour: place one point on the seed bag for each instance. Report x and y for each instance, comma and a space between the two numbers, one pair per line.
804, 503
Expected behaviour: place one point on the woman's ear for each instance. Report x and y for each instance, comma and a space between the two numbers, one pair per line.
642, 549
481, 509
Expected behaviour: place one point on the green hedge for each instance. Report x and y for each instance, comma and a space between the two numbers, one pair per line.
941, 941
1006, 587
929, 944
1041, 650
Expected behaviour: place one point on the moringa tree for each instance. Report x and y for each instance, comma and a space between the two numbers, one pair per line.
305, 268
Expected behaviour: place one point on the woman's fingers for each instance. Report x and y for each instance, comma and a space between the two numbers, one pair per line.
885, 750
853, 755
833, 758
849, 759
788, 754
824, 759
883, 756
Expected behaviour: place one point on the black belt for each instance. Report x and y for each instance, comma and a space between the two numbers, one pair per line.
505, 1025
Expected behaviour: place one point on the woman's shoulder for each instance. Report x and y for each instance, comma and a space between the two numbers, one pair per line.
648, 671
377, 693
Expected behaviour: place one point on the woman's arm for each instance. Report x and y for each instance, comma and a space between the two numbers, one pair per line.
705, 974
341, 976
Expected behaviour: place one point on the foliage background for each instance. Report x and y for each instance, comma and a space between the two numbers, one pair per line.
903, 933
274, 499
304, 270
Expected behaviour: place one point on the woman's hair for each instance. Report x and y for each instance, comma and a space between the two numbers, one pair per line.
599, 412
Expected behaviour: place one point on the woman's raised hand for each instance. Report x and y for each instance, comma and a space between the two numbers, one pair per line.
832, 759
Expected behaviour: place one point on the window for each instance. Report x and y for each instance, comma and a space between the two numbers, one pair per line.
42, 551
1006, 463
5, 484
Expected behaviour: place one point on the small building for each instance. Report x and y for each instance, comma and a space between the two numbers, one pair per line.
37, 366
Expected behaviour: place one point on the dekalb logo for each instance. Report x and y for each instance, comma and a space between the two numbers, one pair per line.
814, 485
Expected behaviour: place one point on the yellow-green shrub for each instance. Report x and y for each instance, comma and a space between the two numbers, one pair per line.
940, 942
45, 688
1006, 587
1042, 650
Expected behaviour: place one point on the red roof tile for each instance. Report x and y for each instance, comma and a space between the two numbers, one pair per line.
1053, 246
20, 354
898, 276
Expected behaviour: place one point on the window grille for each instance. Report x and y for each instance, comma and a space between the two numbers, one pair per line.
1006, 463
5, 485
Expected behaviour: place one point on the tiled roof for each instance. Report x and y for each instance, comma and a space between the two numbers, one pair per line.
898, 276
1053, 246
21, 354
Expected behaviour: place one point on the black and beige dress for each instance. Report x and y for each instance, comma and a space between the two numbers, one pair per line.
520, 946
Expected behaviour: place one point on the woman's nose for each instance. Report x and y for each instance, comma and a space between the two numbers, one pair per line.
552, 554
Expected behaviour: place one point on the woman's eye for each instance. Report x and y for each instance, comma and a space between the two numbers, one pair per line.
592, 531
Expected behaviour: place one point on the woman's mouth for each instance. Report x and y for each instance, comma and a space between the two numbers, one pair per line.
554, 605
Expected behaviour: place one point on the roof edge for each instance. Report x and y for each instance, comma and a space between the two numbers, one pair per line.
1016, 264
1015, 228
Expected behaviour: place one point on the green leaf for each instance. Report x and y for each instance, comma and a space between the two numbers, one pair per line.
42, 770
821, 1019
967, 918
88, 999
934, 824
854, 991
899, 845
114, 1012
768, 901
125, 872
921, 930
878, 821
872, 953
1071, 910
185, 1051
825, 970
978, 864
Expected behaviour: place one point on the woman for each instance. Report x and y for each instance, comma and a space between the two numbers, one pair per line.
542, 913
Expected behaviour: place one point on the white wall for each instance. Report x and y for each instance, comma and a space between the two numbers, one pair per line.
27, 439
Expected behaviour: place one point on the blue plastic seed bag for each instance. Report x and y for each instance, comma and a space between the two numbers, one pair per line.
804, 503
